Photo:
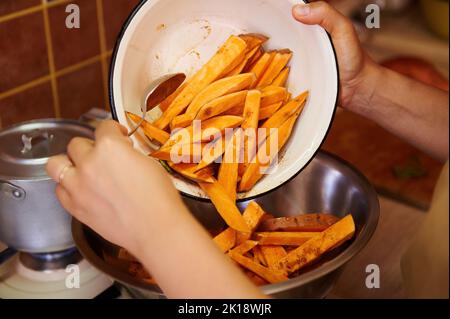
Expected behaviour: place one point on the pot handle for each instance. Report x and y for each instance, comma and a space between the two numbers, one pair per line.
13, 191
7, 254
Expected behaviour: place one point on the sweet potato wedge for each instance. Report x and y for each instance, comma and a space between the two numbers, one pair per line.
221, 105
186, 135
213, 151
284, 238
269, 110
238, 69
272, 94
251, 110
258, 256
288, 98
253, 40
151, 131
311, 250
250, 124
273, 254
253, 215
254, 170
164, 105
261, 66
281, 78
272, 276
300, 223
236, 111
279, 61
286, 111
180, 153
228, 171
225, 206
251, 62
226, 239
188, 170
232, 50
245, 247
213, 91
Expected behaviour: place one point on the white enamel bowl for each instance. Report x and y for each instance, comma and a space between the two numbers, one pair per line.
168, 36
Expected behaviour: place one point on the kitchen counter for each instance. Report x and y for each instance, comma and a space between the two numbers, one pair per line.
397, 225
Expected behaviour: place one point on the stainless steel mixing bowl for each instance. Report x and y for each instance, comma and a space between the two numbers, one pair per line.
327, 185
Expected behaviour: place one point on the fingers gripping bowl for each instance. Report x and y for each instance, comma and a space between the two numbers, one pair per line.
170, 36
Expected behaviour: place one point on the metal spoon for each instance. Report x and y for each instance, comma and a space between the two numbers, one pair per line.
156, 92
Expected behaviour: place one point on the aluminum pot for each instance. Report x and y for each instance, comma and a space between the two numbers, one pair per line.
327, 184
31, 218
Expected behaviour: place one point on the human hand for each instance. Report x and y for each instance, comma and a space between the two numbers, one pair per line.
357, 71
111, 187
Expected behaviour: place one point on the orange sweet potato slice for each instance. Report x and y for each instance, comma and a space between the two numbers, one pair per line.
188, 170
254, 171
261, 66
213, 91
232, 50
164, 105
301, 223
273, 254
226, 239
284, 238
221, 105
245, 247
281, 78
311, 250
225, 206
186, 135
271, 276
228, 171
279, 61
150, 130
269, 110
272, 94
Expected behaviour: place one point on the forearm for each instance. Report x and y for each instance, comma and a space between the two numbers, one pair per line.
185, 262
409, 109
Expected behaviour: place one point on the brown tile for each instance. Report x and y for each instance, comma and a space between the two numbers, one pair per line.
9, 6
34, 103
116, 12
23, 50
80, 91
71, 46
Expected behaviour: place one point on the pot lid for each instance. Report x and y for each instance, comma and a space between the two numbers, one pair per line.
25, 148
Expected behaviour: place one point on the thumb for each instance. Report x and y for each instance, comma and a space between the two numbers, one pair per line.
323, 14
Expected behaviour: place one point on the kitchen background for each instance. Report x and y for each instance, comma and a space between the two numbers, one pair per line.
48, 70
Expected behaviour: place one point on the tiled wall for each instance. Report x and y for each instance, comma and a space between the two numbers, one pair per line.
48, 70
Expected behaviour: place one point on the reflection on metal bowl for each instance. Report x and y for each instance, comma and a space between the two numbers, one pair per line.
326, 185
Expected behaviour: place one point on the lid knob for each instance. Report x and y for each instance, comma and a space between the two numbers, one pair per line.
35, 137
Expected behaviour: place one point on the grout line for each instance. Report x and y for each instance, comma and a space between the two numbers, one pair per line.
51, 62
24, 87
102, 37
46, 78
30, 10
78, 66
